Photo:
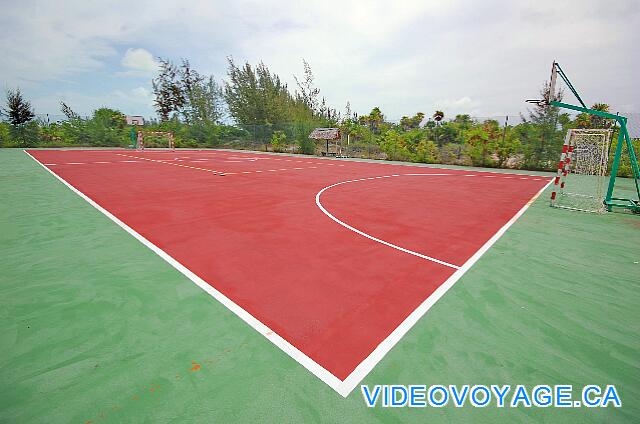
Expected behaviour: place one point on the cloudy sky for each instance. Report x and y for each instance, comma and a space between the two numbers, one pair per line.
461, 56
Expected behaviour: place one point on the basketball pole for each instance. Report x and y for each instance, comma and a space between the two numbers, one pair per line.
623, 138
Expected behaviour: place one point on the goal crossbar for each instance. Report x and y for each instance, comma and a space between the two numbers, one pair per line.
142, 134
611, 202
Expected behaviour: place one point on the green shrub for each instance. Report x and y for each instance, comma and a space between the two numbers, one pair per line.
5, 134
278, 141
25, 135
426, 152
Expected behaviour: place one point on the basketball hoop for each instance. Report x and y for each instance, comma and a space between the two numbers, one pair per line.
541, 102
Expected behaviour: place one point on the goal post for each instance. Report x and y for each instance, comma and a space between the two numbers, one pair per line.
582, 153
623, 140
581, 175
166, 138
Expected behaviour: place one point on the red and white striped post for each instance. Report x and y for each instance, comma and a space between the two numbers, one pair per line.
563, 167
140, 140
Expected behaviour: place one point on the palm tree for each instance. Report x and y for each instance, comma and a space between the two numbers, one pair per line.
598, 122
438, 116
375, 118
583, 120
602, 107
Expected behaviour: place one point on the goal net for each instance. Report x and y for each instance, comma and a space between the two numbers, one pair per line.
582, 171
155, 139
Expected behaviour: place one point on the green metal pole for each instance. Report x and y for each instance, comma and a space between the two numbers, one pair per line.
634, 160
589, 111
133, 137
623, 137
614, 169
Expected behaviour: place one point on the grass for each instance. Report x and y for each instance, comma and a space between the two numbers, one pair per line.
95, 327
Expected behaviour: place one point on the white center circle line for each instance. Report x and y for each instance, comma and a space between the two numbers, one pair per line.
370, 237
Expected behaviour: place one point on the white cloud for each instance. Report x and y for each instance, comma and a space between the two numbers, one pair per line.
458, 106
139, 61
141, 92
417, 56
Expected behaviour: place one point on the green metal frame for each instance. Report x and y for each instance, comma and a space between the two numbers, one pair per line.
134, 138
623, 137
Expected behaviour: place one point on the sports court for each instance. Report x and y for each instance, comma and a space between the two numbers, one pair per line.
276, 238
161, 283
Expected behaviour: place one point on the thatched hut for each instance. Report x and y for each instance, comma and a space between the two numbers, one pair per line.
327, 134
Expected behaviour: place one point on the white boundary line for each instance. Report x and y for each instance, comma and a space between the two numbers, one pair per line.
342, 387
316, 369
361, 371
362, 233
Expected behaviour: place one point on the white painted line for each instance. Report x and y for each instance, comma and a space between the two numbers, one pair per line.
369, 236
361, 371
51, 164
75, 163
315, 368
101, 162
177, 164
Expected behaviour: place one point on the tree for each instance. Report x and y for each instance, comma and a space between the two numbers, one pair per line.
583, 120
18, 109
68, 112
106, 128
464, 121
394, 146
597, 121
258, 97
426, 152
482, 142
438, 116
309, 93
407, 123
373, 120
205, 102
545, 118
182, 90
506, 146
168, 89
278, 141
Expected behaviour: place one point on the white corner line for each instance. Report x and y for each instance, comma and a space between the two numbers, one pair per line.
369, 236
361, 371
316, 369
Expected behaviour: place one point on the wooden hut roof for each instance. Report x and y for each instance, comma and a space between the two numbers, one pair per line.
325, 134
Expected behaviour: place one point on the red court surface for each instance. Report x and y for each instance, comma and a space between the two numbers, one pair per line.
332, 274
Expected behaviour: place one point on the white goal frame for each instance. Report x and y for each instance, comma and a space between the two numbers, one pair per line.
585, 153
167, 134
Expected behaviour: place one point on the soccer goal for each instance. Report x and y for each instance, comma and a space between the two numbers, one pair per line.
582, 171
158, 139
